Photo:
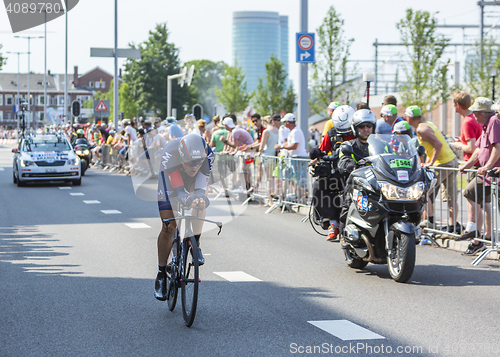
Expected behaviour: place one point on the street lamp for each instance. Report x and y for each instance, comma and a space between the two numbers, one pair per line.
18, 94
368, 77
493, 74
29, 38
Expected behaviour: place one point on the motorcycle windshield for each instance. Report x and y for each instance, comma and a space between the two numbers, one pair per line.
395, 155
81, 142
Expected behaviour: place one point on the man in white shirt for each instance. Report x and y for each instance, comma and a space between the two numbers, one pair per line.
296, 146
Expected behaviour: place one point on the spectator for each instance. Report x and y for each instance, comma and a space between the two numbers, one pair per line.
217, 134
469, 133
259, 128
239, 138
439, 154
389, 118
330, 109
283, 133
488, 153
296, 146
203, 131
361, 105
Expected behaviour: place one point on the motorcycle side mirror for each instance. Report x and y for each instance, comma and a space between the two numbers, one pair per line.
420, 150
347, 150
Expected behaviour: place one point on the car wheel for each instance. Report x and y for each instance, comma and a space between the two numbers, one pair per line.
20, 183
14, 178
77, 182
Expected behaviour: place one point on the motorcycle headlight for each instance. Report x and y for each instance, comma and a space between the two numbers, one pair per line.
25, 163
74, 161
412, 193
86, 152
78, 152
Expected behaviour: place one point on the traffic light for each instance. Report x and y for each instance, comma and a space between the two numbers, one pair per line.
122, 115
197, 111
75, 108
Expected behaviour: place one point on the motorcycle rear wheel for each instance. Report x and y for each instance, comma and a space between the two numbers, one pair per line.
402, 262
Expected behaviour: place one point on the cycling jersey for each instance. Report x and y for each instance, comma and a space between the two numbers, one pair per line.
173, 181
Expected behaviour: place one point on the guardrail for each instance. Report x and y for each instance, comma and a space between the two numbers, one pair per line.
284, 182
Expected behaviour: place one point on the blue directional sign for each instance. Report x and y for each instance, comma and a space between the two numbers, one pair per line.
305, 47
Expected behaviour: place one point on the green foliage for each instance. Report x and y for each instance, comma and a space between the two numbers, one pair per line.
272, 97
3, 60
477, 76
332, 53
206, 79
88, 104
147, 77
126, 101
427, 73
233, 95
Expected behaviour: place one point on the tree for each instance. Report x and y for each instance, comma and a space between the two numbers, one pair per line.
478, 77
273, 96
233, 95
206, 79
332, 53
147, 77
126, 101
425, 48
2, 59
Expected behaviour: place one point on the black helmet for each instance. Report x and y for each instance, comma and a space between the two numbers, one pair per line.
193, 149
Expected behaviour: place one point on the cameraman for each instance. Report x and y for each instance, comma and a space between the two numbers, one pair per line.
328, 186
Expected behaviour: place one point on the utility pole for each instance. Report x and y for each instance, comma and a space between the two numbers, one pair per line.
303, 84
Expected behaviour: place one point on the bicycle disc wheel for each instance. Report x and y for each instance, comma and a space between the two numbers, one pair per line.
172, 277
190, 279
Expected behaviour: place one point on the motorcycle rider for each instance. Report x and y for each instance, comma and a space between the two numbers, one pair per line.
80, 134
363, 125
327, 188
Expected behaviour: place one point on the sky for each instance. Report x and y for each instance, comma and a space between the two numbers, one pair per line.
201, 29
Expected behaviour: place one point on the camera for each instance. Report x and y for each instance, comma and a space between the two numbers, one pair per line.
322, 169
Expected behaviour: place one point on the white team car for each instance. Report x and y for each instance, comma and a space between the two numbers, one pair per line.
45, 158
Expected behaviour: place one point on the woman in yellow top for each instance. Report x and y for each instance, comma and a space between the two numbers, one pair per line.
439, 154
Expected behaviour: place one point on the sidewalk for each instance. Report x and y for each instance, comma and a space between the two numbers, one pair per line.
445, 241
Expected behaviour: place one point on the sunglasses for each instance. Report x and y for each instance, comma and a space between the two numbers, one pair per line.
194, 163
365, 126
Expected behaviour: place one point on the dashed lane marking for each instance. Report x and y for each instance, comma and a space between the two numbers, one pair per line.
77, 194
346, 330
236, 276
110, 211
137, 225
91, 202
65, 188
2, 169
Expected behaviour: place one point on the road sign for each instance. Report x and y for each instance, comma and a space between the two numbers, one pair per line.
132, 53
305, 47
101, 108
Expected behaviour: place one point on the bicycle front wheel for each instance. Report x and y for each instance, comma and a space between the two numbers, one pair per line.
172, 277
190, 280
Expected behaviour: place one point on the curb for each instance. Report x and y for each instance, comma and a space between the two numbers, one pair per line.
461, 246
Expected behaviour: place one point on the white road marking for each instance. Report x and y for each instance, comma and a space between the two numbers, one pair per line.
137, 225
65, 188
236, 276
91, 202
110, 211
77, 194
346, 330
2, 169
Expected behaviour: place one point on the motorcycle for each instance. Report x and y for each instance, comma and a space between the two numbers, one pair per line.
82, 149
388, 193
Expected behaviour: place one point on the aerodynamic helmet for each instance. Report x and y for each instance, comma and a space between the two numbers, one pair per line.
193, 149
342, 119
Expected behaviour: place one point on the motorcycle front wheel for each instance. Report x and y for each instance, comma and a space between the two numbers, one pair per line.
401, 260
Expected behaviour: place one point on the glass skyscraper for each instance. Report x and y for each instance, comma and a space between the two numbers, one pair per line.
256, 36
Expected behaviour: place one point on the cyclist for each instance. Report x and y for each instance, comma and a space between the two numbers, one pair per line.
186, 164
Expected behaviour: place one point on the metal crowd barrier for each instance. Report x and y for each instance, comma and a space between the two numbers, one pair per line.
442, 215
